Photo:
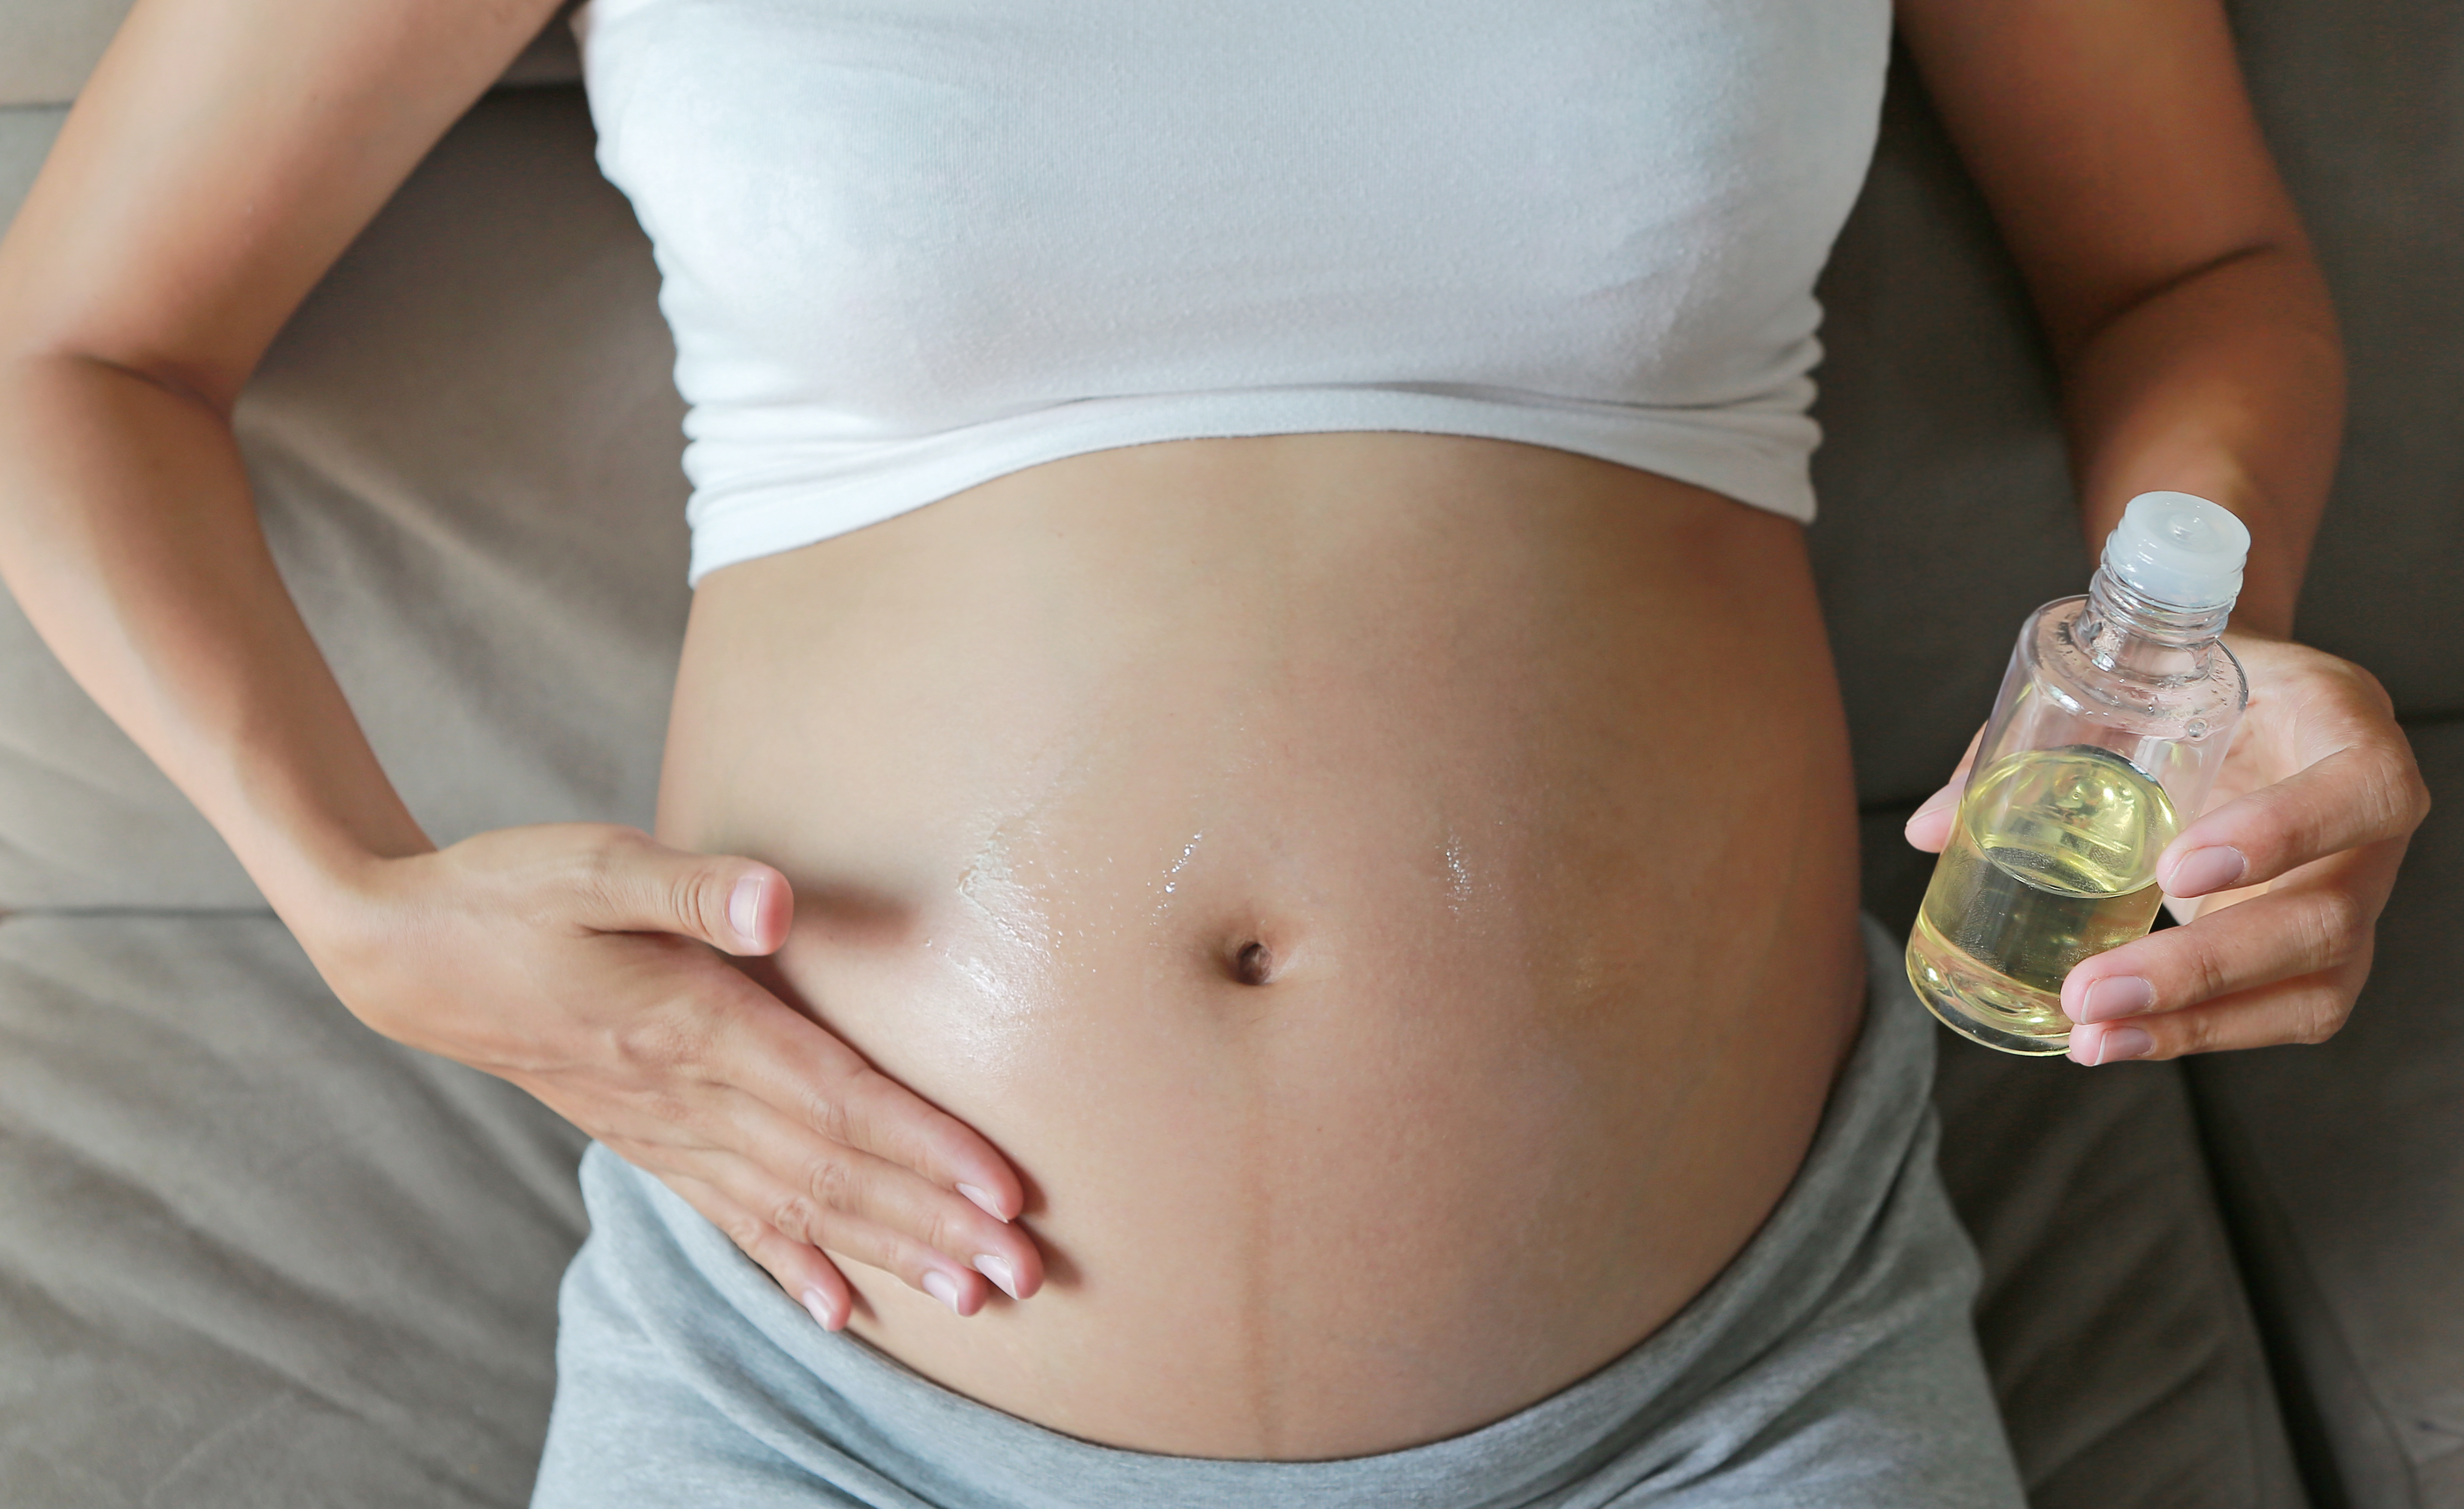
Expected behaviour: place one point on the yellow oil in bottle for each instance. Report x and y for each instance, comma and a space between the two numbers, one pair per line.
2052, 858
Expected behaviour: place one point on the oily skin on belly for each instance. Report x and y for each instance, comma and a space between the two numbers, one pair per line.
1391, 896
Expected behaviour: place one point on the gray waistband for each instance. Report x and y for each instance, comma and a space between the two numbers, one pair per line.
1861, 1242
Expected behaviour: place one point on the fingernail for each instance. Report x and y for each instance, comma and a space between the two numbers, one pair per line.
2205, 870
2123, 1043
744, 909
999, 1271
1933, 804
942, 1287
984, 1202
818, 1304
2122, 995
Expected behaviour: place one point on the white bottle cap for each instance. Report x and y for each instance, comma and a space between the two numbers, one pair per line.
2179, 550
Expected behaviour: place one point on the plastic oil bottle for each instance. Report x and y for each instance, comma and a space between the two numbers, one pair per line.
2111, 725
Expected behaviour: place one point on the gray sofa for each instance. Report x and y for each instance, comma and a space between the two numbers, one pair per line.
251, 1254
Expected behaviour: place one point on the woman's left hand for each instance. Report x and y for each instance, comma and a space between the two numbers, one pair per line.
2280, 881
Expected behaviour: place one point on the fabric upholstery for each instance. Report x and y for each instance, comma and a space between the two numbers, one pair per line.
53, 45
250, 1254
26, 134
2364, 105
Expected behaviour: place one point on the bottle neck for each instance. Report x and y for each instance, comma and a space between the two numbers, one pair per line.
2135, 635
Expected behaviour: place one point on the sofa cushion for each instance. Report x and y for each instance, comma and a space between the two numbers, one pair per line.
2360, 102
2343, 1170
53, 44
465, 450
2121, 1342
254, 1254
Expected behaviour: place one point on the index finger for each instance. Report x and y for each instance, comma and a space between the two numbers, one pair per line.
2364, 793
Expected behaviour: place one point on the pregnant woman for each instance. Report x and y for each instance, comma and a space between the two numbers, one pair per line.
1255, 895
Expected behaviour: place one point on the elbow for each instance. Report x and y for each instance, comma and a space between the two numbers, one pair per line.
32, 363
2273, 282
50, 350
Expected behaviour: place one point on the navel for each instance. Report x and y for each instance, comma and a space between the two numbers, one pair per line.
1253, 964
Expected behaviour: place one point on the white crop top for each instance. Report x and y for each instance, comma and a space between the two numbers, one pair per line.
911, 245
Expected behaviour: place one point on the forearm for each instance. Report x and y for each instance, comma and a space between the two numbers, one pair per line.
128, 535
2229, 383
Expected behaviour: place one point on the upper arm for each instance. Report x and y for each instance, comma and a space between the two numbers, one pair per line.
2113, 139
222, 156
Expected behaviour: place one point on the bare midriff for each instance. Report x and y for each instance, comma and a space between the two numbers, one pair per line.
1392, 898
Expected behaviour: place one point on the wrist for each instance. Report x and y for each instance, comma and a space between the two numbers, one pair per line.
2266, 614
330, 883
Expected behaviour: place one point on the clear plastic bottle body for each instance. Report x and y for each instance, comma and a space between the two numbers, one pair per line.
2112, 721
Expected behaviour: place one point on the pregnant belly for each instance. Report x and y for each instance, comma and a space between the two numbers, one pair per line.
1392, 898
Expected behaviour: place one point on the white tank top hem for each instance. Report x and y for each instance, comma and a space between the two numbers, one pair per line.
792, 495
909, 246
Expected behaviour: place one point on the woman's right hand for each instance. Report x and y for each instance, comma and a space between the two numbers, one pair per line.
575, 960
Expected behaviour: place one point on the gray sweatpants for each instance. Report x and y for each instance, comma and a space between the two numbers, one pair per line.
1830, 1365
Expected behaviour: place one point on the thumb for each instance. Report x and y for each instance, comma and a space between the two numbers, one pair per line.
738, 906
1930, 825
